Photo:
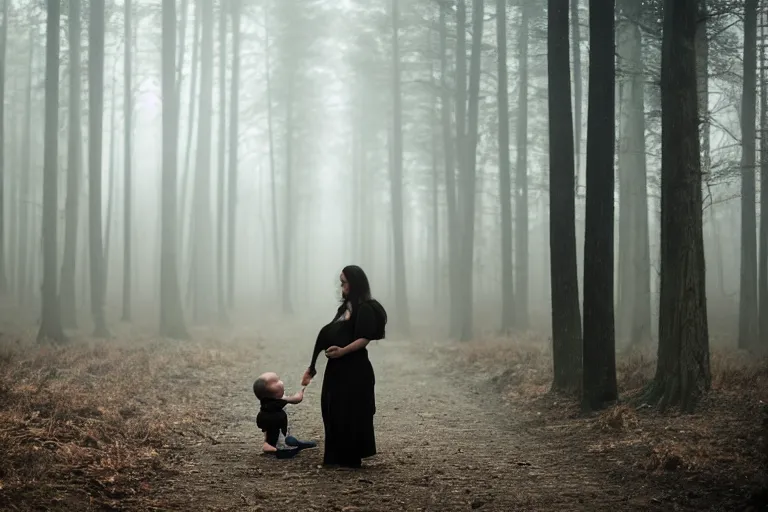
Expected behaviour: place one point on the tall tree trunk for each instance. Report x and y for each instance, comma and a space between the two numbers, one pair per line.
74, 159
682, 371
521, 175
396, 180
234, 133
577, 86
762, 287
505, 181
171, 314
185, 212
288, 209
748, 325
128, 162
434, 136
96, 114
204, 307
13, 228
450, 152
566, 321
271, 133
26, 171
3, 52
50, 322
469, 171
111, 180
222, 167
599, 353
634, 301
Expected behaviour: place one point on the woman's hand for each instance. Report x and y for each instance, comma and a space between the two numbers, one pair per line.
334, 352
306, 378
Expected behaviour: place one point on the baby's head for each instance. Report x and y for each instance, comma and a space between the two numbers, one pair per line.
268, 385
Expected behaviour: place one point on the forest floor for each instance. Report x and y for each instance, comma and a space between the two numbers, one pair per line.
141, 424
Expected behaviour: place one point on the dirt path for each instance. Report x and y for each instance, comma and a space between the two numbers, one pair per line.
443, 446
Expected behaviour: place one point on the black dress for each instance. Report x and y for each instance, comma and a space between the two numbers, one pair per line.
348, 400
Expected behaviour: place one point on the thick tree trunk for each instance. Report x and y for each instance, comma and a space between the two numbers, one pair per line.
599, 353
50, 321
682, 372
95, 114
204, 302
566, 321
451, 153
748, 325
469, 171
74, 159
634, 301
171, 314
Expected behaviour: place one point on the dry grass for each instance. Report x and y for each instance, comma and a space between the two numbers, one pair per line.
723, 445
95, 416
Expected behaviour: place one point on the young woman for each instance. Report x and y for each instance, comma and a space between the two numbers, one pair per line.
348, 401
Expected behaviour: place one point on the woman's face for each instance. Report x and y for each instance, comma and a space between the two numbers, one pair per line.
344, 285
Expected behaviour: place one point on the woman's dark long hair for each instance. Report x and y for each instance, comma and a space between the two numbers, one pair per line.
359, 288
359, 292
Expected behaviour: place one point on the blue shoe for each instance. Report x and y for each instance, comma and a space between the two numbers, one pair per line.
292, 441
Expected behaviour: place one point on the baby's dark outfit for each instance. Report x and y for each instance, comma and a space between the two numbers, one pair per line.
272, 419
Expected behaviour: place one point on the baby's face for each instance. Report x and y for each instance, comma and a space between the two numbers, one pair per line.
274, 384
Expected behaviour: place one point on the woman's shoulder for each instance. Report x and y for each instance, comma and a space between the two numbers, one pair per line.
375, 306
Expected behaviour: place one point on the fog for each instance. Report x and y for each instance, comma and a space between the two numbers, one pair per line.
316, 164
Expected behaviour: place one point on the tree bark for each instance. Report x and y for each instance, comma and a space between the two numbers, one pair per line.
566, 321
50, 322
222, 167
74, 160
469, 172
95, 114
234, 133
599, 353
682, 371
128, 162
3, 53
505, 182
396, 181
748, 325
451, 152
521, 175
171, 314
23, 279
204, 304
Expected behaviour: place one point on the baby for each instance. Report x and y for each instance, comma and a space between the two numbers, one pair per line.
272, 419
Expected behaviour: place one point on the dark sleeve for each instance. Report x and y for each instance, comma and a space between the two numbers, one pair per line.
316, 352
366, 323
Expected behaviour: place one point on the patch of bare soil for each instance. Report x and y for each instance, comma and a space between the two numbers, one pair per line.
142, 424
716, 459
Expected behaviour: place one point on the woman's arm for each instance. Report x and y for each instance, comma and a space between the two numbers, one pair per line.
356, 345
315, 352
